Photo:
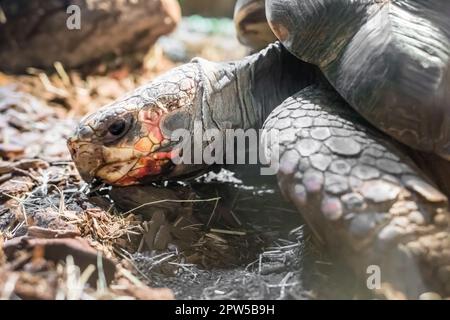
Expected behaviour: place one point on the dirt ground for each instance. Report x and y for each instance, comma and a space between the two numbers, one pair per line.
223, 236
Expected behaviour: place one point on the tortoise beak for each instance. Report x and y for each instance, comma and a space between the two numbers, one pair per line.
88, 158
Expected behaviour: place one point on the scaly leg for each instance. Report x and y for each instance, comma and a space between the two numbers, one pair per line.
361, 195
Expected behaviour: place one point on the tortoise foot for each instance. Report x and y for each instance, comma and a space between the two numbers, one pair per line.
362, 196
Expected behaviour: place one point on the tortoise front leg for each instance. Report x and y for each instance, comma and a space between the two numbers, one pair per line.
361, 194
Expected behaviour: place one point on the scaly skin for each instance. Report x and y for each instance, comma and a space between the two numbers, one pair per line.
390, 60
140, 150
361, 194
201, 90
356, 188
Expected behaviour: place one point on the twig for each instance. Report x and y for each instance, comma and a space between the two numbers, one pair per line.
3, 18
236, 233
284, 283
62, 205
169, 200
213, 212
21, 206
9, 287
130, 261
62, 73
50, 87
127, 274
102, 284
260, 264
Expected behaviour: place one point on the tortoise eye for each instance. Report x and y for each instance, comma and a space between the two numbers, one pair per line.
117, 127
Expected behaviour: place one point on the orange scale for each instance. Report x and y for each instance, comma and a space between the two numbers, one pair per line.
144, 145
155, 135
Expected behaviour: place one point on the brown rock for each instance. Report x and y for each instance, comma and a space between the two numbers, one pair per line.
58, 249
218, 8
36, 34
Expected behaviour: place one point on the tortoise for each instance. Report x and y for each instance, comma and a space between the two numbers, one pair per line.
359, 93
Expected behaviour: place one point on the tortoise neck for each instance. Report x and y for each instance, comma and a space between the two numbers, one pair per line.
243, 93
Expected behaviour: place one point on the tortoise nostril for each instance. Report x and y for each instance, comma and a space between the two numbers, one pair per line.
85, 132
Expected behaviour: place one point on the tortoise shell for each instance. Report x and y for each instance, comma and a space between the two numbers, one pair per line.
390, 59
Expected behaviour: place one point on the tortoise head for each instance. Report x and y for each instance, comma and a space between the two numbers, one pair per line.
129, 141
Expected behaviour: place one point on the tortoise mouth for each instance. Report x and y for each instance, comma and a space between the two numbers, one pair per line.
112, 172
137, 170
119, 166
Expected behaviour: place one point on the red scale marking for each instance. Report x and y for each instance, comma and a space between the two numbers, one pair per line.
153, 164
152, 119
